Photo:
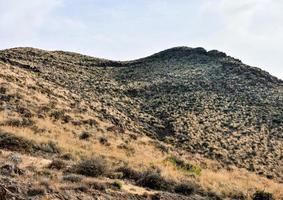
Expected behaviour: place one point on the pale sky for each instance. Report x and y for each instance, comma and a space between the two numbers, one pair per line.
251, 30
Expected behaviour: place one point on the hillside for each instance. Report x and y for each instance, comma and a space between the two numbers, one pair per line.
200, 118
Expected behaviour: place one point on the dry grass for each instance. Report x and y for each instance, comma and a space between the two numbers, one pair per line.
223, 182
238, 181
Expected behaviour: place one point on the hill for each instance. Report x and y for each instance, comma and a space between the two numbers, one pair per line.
187, 112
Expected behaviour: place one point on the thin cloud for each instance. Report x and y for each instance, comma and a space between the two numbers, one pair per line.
251, 30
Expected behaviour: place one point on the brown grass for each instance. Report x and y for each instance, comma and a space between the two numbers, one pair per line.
223, 182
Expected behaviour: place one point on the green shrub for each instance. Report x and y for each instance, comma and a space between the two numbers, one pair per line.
186, 167
118, 185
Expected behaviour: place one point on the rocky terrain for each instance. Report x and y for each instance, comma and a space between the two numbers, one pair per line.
184, 123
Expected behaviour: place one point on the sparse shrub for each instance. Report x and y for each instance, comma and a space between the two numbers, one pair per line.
133, 136
213, 196
46, 184
72, 178
15, 158
10, 170
182, 165
152, 179
93, 167
19, 123
104, 141
161, 147
98, 185
3, 90
66, 118
81, 188
57, 164
185, 188
129, 173
118, 185
13, 122
85, 135
261, 195
15, 143
24, 112
76, 123
115, 175
42, 111
47, 173
56, 115
36, 191
50, 147
36, 129
67, 156
91, 122
129, 150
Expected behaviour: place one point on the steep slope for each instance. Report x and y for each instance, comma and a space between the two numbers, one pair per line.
206, 102
211, 104
198, 102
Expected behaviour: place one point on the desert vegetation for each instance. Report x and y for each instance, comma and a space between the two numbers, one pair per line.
181, 124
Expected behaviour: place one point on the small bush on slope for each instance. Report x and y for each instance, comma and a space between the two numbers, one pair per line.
261, 195
182, 165
94, 167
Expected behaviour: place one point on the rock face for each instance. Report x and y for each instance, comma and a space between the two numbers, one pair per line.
205, 102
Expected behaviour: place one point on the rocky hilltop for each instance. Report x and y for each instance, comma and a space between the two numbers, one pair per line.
192, 102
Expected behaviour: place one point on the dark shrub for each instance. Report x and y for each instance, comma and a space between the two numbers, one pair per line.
152, 179
76, 123
3, 90
261, 195
184, 166
13, 122
73, 178
66, 118
36, 191
19, 123
129, 173
57, 115
103, 140
185, 188
91, 122
81, 188
212, 196
98, 186
24, 112
57, 164
67, 156
15, 143
117, 184
85, 135
93, 167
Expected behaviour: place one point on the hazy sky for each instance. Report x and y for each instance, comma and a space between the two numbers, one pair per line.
251, 30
